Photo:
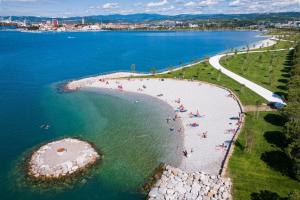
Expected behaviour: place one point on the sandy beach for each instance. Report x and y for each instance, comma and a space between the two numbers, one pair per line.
219, 111
215, 114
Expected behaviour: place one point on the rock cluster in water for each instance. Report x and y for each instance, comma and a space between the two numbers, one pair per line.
176, 184
61, 158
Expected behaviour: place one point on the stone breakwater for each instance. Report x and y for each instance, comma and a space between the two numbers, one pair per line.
176, 184
60, 158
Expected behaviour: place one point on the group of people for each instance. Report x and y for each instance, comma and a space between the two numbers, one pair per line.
174, 119
181, 108
197, 115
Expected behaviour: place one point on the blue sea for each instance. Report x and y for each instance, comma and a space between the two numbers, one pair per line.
133, 137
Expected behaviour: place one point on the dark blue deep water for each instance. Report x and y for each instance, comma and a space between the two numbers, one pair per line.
133, 137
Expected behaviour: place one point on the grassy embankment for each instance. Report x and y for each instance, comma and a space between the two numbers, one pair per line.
259, 168
268, 69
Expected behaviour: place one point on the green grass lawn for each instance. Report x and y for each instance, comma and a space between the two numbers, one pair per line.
268, 69
258, 166
279, 45
205, 72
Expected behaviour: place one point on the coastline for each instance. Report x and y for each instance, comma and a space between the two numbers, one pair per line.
203, 154
267, 42
194, 160
131, 30
93, 82
173, 152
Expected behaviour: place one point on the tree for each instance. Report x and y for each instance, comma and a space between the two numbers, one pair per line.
219, 75
271, 77
257, 104
242, 88
260, 57
170, 69
295, 195
153, 71
292, 114
235, 52
133, 68
249, 140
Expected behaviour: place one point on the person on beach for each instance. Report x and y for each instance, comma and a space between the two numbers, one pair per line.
176, 117
204, 134
185, 153
168, 119
179, 130
221, 147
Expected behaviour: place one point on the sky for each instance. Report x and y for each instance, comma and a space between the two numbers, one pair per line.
67, 8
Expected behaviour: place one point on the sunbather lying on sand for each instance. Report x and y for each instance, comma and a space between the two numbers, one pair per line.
221, 147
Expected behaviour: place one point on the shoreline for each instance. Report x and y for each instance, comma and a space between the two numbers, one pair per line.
173, 151
218, 164
129, 30
266, 42
88, 82
218, 137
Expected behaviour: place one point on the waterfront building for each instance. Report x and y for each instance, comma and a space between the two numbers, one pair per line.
55, 23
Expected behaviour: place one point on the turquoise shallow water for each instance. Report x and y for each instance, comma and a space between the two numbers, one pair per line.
133, 137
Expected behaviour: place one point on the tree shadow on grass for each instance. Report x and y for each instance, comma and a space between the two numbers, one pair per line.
239, 145
286, 69
275, 119
283, 80
282, 87
266, 195
278, 161
286, 75
281, 94
277, 138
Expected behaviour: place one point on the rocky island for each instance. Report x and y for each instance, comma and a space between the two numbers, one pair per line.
61, 158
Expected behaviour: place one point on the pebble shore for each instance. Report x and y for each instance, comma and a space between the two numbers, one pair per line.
60, 158
177, 184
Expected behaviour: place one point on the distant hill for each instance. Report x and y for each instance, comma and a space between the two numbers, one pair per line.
142, 17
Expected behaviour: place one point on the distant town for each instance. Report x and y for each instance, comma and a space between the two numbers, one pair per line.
88, 23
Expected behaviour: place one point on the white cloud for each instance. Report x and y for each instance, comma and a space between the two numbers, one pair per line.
159, 3
208, 3
18, 1
288, 2
190, 3
235, 3
110, 5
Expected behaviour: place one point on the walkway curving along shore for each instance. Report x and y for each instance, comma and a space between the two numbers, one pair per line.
263, 92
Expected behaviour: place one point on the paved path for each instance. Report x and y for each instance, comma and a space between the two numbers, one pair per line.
263, 92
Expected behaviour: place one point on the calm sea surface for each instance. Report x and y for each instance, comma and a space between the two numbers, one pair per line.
133, 137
